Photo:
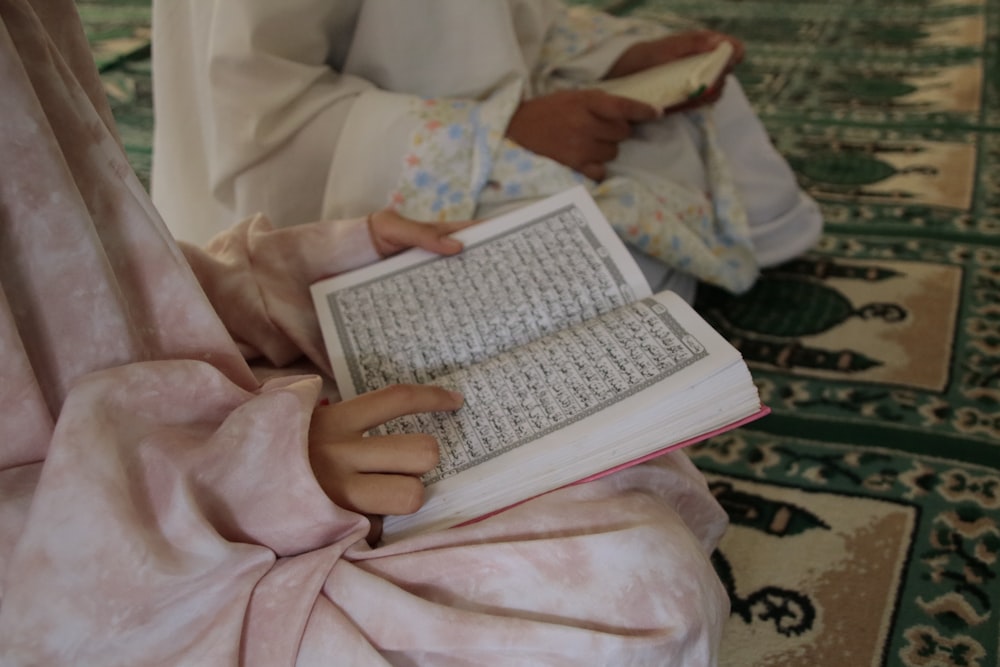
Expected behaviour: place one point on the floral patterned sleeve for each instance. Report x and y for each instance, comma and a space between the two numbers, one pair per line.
461, 165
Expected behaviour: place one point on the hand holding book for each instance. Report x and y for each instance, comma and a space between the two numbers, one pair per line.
568, 365
582, 128
392, 233
678, 82
376, 475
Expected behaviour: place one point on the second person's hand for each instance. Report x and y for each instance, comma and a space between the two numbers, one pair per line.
578, 128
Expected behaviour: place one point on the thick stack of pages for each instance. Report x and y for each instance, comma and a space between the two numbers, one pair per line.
674, 83
569, 366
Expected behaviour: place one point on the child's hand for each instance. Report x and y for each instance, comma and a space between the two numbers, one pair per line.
578, 128
379, 474
392, 233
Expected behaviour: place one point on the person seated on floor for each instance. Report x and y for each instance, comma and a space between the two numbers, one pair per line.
159, 505
473, 107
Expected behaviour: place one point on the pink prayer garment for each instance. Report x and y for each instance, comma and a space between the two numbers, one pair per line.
157, 504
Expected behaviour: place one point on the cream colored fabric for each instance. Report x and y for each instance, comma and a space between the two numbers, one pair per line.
313, 108
291, 108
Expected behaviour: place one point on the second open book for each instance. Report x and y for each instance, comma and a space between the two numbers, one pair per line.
569, 366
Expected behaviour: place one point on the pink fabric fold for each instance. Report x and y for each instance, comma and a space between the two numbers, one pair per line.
157, 505
262, 297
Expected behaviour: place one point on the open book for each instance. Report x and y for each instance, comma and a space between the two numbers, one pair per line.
569, 367
673, 83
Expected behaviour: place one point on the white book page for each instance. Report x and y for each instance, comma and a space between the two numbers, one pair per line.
523, 275
545, 386
584, 400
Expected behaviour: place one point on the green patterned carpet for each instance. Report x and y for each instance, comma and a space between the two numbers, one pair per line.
119, 33
866, 509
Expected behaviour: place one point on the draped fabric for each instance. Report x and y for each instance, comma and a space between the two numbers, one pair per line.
313, 109
156, 501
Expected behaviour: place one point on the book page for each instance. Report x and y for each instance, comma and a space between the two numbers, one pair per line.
607, 393
522, 276
514, 399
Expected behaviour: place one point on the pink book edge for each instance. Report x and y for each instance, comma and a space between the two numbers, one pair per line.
763, 412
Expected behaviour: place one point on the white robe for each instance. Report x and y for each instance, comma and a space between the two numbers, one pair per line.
312, 109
